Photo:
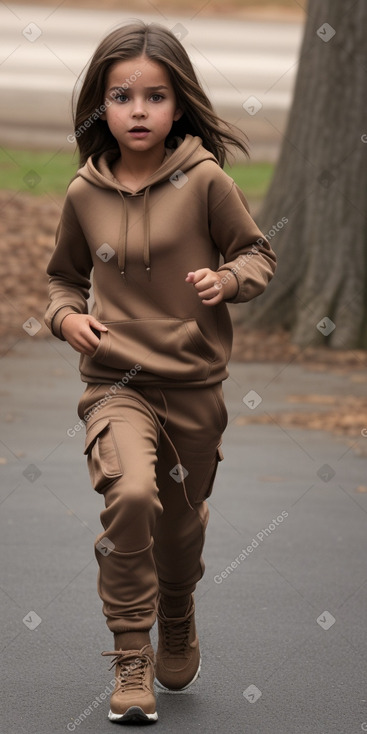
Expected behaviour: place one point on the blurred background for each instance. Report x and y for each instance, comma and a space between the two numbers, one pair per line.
238, 52
246, 57
290, 74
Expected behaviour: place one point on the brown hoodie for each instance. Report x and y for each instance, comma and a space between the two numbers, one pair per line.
141, 245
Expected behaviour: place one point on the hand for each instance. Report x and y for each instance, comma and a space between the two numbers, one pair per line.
77, 330
213, 287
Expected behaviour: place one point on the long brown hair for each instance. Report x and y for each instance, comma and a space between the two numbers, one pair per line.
161, 45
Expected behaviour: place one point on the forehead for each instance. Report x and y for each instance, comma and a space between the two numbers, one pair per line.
152, 73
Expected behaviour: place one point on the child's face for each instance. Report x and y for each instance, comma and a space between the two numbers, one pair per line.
140, 95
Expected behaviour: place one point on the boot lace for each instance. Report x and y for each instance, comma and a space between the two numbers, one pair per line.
176, 635
132, 666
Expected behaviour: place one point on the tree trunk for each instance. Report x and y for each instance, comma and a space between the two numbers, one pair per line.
320, 186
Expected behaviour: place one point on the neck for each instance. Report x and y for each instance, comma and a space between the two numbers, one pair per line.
141, 164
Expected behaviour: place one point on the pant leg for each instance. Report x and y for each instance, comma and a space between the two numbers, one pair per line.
153, 537
195, 420
121, 446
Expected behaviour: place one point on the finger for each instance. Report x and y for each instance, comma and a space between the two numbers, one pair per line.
80, 342
189, 278
198, 275
210, 293
90, 340
203, 285
208, 284
85, 340
97, 324
213, 301
84, 347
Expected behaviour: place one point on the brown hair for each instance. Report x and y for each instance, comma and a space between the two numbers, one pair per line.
161, 45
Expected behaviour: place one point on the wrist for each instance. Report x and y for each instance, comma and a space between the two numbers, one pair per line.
64, 319
58, 319
229, 284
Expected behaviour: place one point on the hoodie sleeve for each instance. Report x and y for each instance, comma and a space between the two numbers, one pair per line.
247, 254
69, 271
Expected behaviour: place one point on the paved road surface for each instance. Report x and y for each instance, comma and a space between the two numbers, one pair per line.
43, 50
283, 634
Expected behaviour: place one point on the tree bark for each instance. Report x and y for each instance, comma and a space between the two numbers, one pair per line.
320, 186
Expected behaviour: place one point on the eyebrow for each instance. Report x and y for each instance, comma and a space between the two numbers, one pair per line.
160, 86
148, 89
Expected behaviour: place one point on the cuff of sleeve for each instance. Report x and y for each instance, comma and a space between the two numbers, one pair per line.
57, 320
236, 298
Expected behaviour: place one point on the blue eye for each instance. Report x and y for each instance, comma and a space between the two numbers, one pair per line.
157, 97
120, 98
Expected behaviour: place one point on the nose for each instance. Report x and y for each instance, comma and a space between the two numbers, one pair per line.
138, 109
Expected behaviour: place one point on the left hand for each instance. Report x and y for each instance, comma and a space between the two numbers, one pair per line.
211, 286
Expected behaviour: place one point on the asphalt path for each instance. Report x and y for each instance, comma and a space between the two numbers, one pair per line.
282, 628
247, 67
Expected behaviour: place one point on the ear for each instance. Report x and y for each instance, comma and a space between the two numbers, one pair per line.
177, 114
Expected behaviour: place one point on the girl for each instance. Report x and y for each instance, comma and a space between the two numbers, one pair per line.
151, 211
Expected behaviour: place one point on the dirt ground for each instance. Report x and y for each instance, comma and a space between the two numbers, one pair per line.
27, 232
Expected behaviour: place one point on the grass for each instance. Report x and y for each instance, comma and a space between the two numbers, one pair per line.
35, 171
252, 178
50, 172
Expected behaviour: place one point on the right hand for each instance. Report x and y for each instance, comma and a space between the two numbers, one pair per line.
77, 330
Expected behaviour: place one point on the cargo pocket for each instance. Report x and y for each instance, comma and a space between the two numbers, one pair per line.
103, 459
203, 471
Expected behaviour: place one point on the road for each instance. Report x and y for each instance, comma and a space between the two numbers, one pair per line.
282, 628
43, 50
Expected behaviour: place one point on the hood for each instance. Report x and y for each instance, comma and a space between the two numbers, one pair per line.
181, 156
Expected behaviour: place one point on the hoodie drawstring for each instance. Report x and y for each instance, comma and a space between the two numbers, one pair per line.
122, 243
121, 255
146, 252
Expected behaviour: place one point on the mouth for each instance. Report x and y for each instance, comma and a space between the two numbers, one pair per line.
139, 129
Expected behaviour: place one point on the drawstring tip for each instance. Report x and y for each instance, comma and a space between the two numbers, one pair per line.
149, 273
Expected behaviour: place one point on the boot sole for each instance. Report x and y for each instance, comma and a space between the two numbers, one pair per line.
164, 689
134, 713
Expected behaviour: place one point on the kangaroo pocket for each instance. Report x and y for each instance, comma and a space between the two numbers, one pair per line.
171, 348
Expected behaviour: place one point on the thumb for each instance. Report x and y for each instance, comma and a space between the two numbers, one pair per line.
190, 277
97, 324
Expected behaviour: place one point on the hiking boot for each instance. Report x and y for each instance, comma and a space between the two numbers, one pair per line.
178, 659
133, 698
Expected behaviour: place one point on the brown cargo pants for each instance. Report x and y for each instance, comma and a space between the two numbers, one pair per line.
153, 454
